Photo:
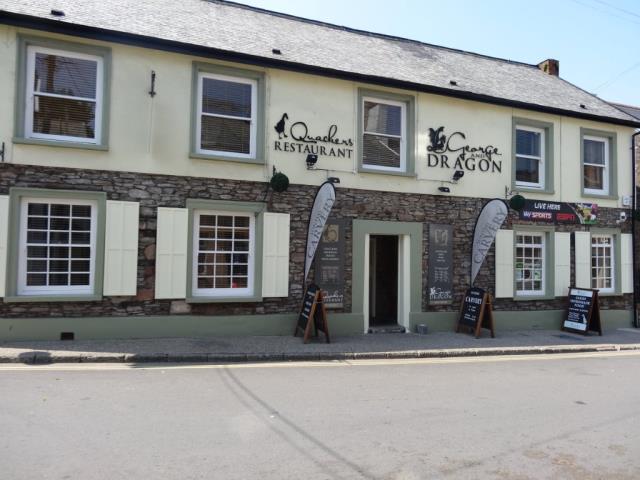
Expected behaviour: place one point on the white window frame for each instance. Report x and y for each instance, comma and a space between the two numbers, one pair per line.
605, 167
541, 159
22, 288
223, 292
252, 123
403, 135
543, 247
32, 50
612, 250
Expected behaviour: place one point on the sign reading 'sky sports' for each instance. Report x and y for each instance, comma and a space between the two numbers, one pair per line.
557, 212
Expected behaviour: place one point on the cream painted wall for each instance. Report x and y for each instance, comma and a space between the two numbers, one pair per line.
151, 135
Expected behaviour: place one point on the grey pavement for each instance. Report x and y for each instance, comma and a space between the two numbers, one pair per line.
281, 348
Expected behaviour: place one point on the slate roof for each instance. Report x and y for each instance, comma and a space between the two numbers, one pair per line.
232, 31
629, 109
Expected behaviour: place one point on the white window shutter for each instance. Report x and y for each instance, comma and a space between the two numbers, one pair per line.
4, 236
626, 263
504, 264
121, 248
275, 255
583, 259
562, 254
171, 252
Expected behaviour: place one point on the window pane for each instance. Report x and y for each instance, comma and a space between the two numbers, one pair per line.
65, 75
79, 279
382, 118
226, 98
528, 143
60, 210
36, 279
38, 209
594, 152
381, 151
225, 135
527, 170
593, 177
61, 116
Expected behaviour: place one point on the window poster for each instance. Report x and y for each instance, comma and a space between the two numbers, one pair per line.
440, 264
329, 263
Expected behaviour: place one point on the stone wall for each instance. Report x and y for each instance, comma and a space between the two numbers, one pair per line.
154, 191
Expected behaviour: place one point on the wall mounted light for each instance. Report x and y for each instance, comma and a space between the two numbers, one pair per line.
152, 92
444, 189
334, 180
457, 175
311, 161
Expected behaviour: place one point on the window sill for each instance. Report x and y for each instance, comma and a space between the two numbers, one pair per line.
63, 144
224, 158
524, 298
610, 294
362, 169
521, 188
603, 196
51, 298
249, 299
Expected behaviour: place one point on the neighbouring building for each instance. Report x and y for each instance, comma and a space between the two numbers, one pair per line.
139, 140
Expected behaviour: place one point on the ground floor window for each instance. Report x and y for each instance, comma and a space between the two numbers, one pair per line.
57, 247
223, 253
530, 263
602, 263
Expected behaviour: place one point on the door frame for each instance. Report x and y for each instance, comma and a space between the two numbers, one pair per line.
409, 267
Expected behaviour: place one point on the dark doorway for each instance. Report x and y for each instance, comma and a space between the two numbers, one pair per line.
383, 280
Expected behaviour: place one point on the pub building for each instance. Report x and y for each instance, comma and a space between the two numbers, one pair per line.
160, 162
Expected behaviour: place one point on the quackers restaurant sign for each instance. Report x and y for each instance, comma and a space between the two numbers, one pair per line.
299, 138
454, 152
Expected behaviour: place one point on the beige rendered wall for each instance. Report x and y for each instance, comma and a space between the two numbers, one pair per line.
152, 135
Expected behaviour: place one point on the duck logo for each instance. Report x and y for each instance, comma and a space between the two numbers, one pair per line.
279, 127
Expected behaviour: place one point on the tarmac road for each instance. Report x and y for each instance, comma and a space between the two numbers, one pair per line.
573, 416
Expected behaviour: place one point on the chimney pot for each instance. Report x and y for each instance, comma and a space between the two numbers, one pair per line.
550, 67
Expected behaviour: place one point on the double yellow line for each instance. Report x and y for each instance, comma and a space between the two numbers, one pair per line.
70, 367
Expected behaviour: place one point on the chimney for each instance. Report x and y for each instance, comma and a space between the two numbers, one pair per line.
550, 67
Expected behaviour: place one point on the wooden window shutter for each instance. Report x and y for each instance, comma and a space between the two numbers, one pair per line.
504, 264
562, 249
626, 263
275, 256
171, 252
583, 259
4, 235
121, 248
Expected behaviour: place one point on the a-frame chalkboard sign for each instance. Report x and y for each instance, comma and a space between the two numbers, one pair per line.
583, 315
476, 312
313, 314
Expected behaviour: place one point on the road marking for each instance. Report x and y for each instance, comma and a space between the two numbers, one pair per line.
57, 367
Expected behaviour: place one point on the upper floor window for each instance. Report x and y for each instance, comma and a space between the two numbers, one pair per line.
384, 134
226, 115
530, 157
64, 95
596, 164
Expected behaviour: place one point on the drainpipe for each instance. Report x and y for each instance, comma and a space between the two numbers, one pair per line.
636, 320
